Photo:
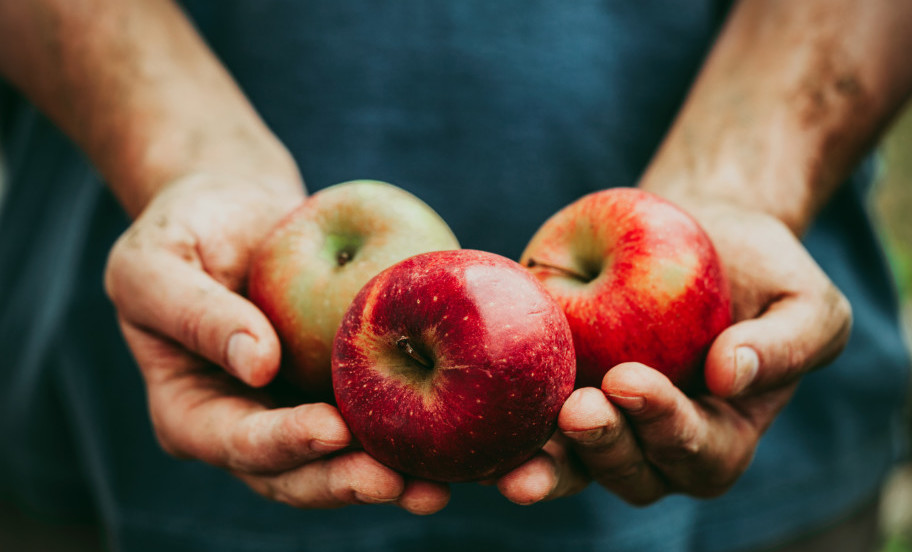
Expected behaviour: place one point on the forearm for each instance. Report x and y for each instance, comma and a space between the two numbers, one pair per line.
791, 97
136, 88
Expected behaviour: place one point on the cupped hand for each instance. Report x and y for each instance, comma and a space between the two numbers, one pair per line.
642, 438
205, 352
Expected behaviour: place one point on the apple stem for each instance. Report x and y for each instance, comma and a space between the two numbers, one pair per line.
532, 263
406, 347
343, 257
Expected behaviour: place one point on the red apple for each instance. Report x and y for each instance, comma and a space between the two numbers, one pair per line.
638, 279
309, 269
453, 366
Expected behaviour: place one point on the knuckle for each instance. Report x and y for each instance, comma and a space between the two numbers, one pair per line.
314, 421
716, 478
311, 412
633, 484
795, 358
263, 486
737, 469
623, 473
113, 269
307, 419
716, 485
189, 327
642, 499
169, 445
121, 258
289, 499
291, 490
289, 430
160, 428
841, 310
836, 311
338, 490
256, 446
280, 490
838, 302
682, 448
269, 492
241, 449
286, 490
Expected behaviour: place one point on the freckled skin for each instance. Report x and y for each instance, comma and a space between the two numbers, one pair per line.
503, 365
658, 293
300, 282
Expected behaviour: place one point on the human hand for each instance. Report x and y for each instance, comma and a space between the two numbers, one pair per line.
205, 352
642, 438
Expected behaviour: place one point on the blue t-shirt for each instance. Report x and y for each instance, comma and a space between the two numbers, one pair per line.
495, 113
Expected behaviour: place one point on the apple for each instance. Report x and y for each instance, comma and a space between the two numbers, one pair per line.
453, 366
638, 279
308, 270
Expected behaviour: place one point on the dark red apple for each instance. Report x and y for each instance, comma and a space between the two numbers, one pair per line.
453, 366
638, 279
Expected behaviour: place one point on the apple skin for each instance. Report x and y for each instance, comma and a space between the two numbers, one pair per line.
638, 279
498, 364
307, 271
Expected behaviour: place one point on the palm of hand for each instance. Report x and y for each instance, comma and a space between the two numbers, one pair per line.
176, 277
642, 438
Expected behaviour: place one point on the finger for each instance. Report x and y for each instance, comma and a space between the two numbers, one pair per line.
272, 440
168, 295
605, 444
353, 478
795, 335
423, 497
552, 473
699, 448
531, 482
202, 413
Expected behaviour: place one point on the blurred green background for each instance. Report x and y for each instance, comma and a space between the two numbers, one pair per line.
892, 203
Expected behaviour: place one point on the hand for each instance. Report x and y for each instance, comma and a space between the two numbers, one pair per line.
203, 351
642, 438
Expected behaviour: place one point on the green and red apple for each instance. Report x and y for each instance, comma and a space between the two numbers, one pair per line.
306, 273
638, 279
453, 366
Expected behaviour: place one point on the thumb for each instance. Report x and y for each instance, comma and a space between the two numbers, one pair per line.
170, 297
796, 334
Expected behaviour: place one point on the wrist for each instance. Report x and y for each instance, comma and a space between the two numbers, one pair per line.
191, 118
135, 86
140, 170
789, 100
789, 197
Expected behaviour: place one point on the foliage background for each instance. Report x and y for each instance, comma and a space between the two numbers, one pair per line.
892, 205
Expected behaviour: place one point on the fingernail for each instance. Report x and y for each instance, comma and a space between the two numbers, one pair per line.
746, 365
318, 445
241, 350
586, 435
629, 403
366, 499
